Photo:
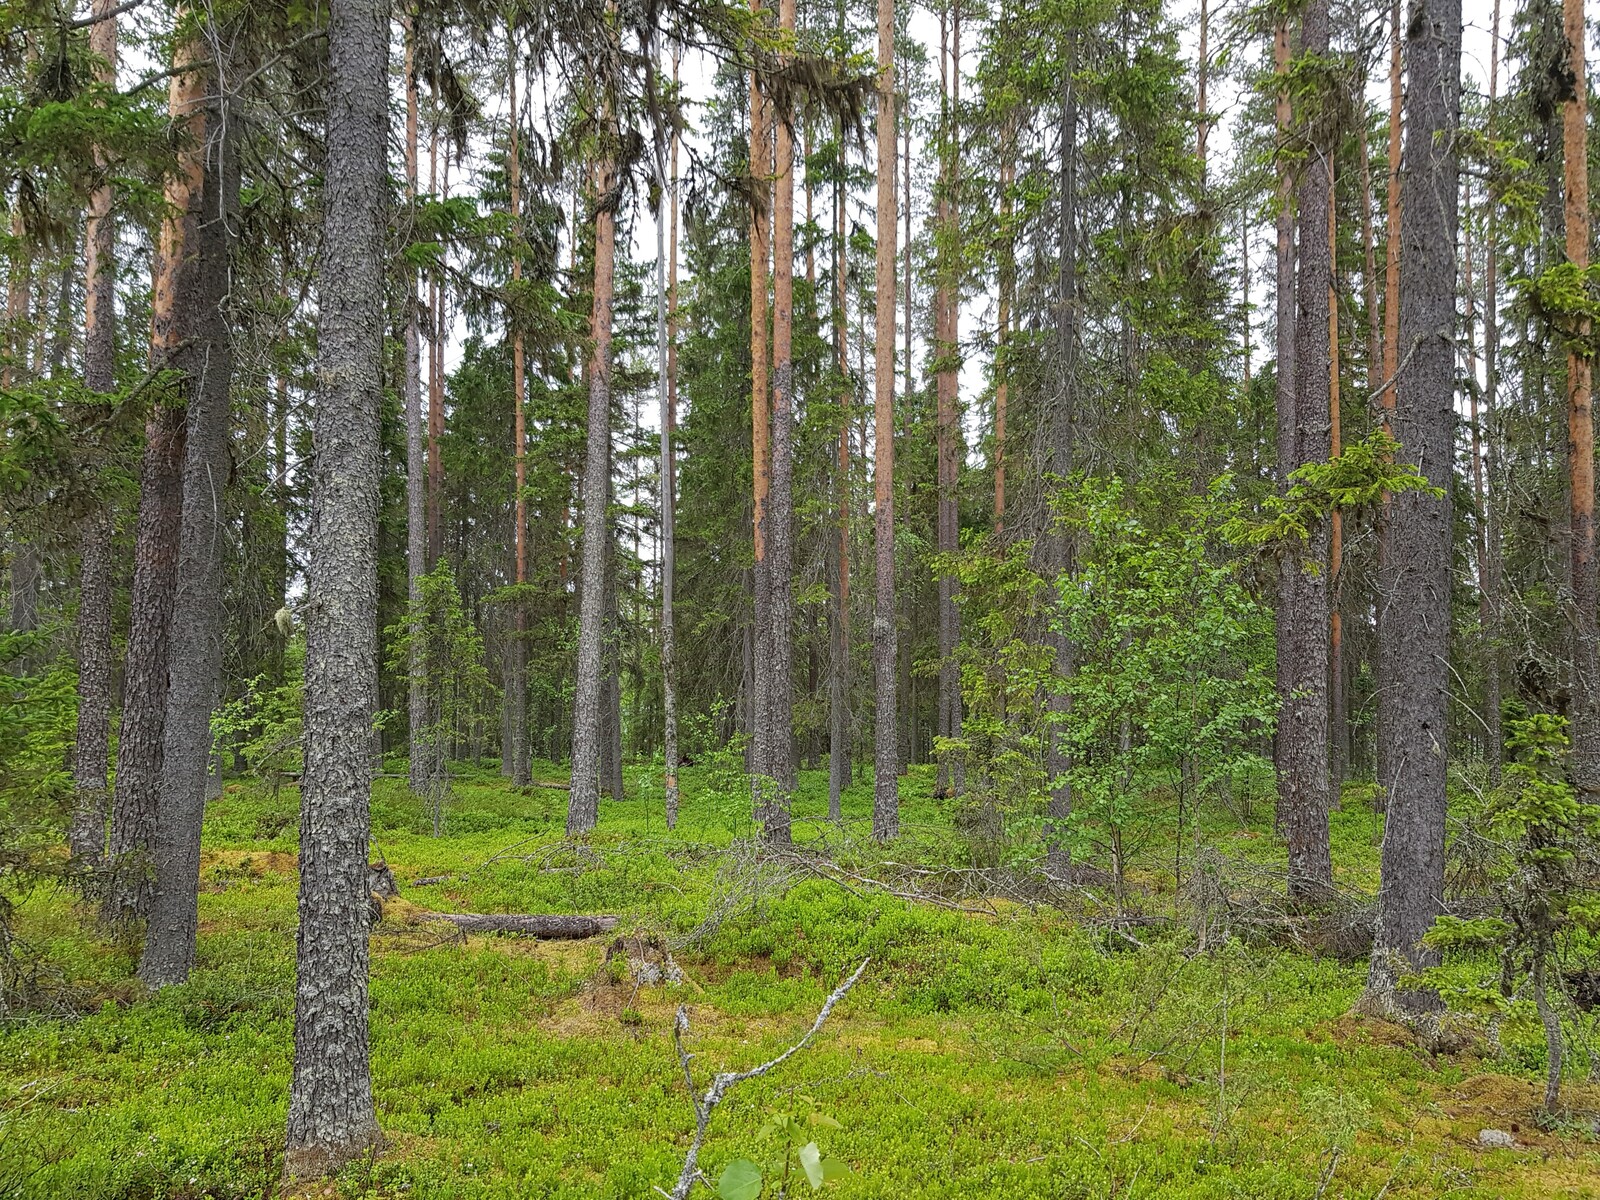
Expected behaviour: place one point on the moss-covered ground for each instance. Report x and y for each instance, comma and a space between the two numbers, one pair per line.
1020, 1053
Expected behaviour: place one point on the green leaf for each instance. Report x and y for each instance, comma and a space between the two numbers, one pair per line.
834, 1169
741, 1180
811, 1163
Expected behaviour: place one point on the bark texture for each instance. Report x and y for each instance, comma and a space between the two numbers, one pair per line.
194, 651
780, 514
517, 681
667, 385
92, 745
419, 760
583, 806
1303, 704
1284, 347
886, 749
129, 888
1414, 621
331, 1115
1580, 424
1061, 449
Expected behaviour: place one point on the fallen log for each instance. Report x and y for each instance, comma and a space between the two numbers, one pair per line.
540, 925
386, 895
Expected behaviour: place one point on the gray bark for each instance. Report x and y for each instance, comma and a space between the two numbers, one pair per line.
886, 749
1061, 449
128, 887
1414, 619
1303, 704
92, 745
583, 805
194, 652
420, 772
331, 1117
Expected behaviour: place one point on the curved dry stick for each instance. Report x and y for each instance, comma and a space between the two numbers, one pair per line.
706, 1104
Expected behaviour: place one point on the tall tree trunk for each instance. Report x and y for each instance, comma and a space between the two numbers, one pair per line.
583, 804
1414, 625
1061, 450
948, 385
886, 772
1202, 73
839, 602
1489, 599
436, 339
667, 350
780, 513
1303, 706
1007, 272
135, 801
420, 757
1391, 317
1337, 727
760, 440
517, 684
92, 745
194, 652
1580, 424
331, 1116
1284, 393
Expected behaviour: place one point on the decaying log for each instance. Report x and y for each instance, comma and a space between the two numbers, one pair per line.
542, 925
381, 883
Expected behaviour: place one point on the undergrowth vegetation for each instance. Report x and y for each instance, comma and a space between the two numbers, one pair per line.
1009, 1039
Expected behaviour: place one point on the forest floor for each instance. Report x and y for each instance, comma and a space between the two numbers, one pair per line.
994, 1048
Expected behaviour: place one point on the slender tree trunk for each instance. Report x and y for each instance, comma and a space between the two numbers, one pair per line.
1580, 424
135, 801
583, 805
1285, 612
1061, 451
780, 512
1007, 272
1414, 623
436, 339
1489, 598
760, 440
667, 337
194, 652
1337, 730
949, 418
839, 607
1391, 320
1480, 528
420, 764
517, 683
92, 745
886, 768
331, 1116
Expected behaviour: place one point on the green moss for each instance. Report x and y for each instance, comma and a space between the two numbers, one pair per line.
1012, 1055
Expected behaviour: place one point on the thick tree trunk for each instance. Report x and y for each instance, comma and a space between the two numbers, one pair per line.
583, 805
420, 770
92, 745
886, 767
194, 652
135, 802
1415, 618
780, 511
331, 1115
1580, 425
1303, 705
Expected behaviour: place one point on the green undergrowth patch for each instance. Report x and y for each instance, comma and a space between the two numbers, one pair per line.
1019, 1054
